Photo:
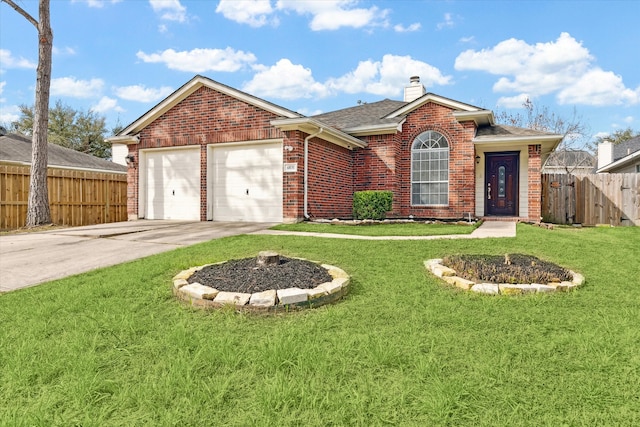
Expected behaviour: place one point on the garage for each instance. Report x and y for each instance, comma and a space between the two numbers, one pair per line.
245, 182
172, 182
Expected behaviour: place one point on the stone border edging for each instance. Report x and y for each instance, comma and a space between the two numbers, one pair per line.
272, 300
447, 274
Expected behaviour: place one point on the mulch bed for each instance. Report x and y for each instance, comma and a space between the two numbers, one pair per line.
508, 268
246, 276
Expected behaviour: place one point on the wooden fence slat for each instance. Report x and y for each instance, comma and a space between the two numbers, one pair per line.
591, 199
75, 197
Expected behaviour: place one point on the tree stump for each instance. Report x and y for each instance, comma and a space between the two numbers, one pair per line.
268, 258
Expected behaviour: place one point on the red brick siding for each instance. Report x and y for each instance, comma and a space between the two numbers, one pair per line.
204, 117
293, 183
386, 163
535, 183
330, 180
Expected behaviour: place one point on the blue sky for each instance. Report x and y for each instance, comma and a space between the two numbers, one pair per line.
121, 57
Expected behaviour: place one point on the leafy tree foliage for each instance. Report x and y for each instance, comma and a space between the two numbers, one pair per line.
82, 131
618, 136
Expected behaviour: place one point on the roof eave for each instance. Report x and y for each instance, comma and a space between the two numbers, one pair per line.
123, 139
480, 118
380, 129
311, 126
548, 142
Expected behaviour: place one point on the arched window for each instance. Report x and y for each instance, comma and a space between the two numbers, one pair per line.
430, 169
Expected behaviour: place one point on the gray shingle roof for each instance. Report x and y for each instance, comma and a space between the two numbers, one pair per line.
17, 148
507, 131
625, 148
368, 114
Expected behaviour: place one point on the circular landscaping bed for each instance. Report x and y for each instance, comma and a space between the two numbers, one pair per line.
503, 274
267, 282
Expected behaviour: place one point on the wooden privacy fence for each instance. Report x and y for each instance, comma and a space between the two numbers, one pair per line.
75, 197
592, 199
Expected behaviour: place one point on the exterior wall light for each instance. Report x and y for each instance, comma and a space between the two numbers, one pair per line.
288, 148
130, 159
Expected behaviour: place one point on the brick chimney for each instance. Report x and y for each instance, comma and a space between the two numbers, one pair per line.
415, 89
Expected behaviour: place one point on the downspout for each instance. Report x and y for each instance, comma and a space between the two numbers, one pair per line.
306, 171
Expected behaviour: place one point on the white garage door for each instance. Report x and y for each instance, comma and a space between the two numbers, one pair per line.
246, 183
173, 184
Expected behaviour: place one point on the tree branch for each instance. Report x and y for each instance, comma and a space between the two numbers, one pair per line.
22, 12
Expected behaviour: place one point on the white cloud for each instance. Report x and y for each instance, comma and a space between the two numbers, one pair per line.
74, 88
513, 101
7, 60
96, 3
107, 104
447, 23
467, 39
201, 60
63, 51
411, 28
9, 113
335, 14
388, 77
598, 87
170, 10
307, 112
563, 67
628, 119
140, 93
162, 28
2, 85
325, 14
255, 13
285, 80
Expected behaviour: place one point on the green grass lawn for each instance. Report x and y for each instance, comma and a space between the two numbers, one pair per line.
114, 348
401, 229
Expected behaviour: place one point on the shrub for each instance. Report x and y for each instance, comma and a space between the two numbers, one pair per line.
508, 268
371, 204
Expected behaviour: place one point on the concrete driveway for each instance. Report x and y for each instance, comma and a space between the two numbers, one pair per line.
27, 259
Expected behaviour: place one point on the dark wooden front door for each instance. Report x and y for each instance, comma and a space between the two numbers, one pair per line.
501, 184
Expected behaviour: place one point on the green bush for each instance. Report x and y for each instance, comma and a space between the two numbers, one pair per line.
371, 204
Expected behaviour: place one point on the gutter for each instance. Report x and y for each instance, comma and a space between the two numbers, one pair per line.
306, 171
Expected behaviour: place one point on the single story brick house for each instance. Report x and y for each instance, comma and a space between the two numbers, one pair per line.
211, 152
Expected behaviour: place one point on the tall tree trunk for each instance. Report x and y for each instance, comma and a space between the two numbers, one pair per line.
38, 211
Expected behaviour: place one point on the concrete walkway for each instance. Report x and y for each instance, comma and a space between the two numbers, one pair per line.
28, 259
487, 229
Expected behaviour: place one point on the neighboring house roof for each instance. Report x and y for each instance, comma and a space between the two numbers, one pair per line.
626, 148
571, 160
16, 148
624, 153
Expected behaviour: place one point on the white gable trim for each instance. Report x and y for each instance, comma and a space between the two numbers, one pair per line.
190, 87
311, 126
437, 99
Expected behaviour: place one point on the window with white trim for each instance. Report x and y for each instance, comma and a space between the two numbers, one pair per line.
430, 169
